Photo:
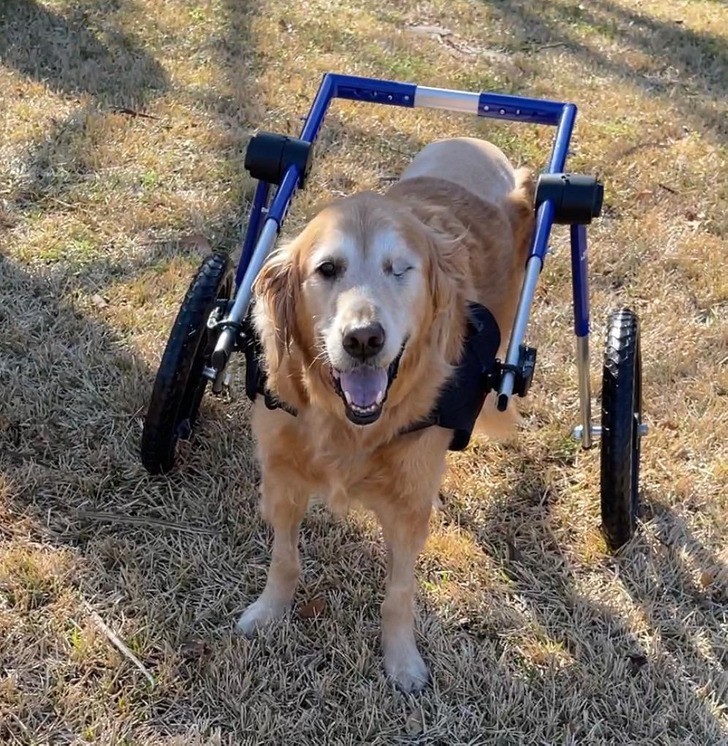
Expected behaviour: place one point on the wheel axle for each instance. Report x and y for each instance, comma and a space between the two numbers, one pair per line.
596, 431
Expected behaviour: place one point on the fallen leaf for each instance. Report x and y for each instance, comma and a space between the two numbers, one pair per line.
415, 723
312, 609
706, 578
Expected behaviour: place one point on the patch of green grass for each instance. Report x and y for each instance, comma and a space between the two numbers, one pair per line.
149, 180
72, 251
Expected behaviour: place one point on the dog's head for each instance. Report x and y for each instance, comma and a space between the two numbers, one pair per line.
356, 291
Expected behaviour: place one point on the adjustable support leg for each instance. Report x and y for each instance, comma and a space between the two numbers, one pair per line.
580, 287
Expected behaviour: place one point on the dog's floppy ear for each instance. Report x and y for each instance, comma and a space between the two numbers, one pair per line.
519, 206
278, 289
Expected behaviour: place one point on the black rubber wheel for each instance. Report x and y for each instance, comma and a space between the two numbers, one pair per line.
621, 428
180, 385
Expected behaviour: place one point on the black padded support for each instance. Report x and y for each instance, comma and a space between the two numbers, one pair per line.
577, 198
269, 155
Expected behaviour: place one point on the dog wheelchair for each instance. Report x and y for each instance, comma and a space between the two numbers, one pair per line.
213, 320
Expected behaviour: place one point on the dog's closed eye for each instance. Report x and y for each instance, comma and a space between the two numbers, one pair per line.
397, 269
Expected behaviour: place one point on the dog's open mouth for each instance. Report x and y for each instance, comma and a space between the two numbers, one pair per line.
364, 390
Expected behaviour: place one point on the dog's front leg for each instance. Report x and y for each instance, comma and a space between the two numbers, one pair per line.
405, 532
283, 504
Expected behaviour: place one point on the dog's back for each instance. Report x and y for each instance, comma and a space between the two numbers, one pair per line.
476, 165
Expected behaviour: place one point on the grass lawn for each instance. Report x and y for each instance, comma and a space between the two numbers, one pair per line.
123, 125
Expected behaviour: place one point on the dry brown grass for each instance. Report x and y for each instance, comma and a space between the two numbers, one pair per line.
534, 634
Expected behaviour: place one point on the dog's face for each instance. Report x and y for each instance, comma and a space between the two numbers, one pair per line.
364, 293
355, 287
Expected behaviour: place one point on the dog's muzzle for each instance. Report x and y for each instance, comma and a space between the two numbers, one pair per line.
364, 389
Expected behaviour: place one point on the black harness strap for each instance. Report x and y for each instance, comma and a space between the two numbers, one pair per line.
462, 397
255, 378
460, 400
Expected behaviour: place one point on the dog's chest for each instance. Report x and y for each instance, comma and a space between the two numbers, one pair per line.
345, 467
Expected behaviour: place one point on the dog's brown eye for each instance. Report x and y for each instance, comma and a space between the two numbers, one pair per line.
400, 271
327, 269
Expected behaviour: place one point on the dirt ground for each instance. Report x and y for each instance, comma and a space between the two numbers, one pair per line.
123, 128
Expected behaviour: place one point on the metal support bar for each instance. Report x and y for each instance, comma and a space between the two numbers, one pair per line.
582, 367
544, 221
439, 98
226, 340
580, 291
533, 269
260, 200
519, 109
580, 279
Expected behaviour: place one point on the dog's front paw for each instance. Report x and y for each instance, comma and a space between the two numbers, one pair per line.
404, 665
257, 614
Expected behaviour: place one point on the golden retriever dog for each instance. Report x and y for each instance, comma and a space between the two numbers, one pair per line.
377, 284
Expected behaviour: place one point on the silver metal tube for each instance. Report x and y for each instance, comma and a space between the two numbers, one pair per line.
533, 269
582, 368
441, 98
267, 239
263, 247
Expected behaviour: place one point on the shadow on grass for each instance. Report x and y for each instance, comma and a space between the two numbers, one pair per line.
85, 56
72, 396
77, 58
72, 399
72, 55
687, 68
87, 53
670, 692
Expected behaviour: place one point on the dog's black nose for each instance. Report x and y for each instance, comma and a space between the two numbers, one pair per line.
364, 341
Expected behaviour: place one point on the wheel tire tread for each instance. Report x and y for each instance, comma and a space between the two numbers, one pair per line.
619, 387
158, 439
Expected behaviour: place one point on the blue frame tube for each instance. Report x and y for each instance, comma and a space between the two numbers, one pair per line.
579, 286
557, 162
520, 109
392, 93
579, 279
534, 265
252, 232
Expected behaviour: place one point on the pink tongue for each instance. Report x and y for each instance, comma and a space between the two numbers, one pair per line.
364, 385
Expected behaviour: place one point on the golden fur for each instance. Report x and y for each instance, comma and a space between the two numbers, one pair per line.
465, 217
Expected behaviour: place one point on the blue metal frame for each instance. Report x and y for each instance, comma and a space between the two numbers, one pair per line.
252, 232
267, 214
489, 105
579, 279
